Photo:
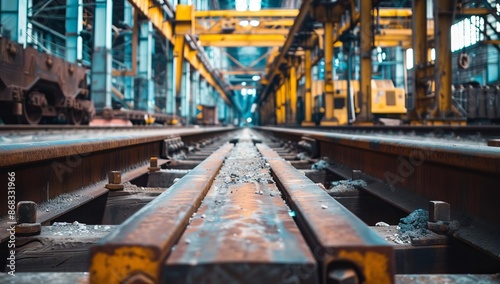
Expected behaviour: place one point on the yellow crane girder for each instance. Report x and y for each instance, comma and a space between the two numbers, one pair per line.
241, 40
156, 15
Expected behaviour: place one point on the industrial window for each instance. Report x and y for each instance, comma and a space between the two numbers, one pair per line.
467, 32
252, 5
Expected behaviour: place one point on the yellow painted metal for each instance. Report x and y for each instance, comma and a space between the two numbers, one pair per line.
393, 12
420, 58
283, 103
156, 14
279, 116
235, 40
184, 19
329, 83
274, 67
178, 62
241, 72
366, 34
477, 11
247, 14
293, 93
308, 100
492, 42
121, 263
286, 89
442, 72
184, 14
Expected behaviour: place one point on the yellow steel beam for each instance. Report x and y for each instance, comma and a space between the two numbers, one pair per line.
442, 72
271, 13
255, 31
178, 62
420, 55
308, 100
329, 117
393, 12
235, 40
366, 34
242, 72
156, 14
476, 11
293, 92
274, 68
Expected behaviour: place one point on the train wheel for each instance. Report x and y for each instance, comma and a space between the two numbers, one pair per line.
75, 116
32, 114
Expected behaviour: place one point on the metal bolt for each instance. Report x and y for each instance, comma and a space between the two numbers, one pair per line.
439, 211
115, 180
26, 212
356, 174
153, 164
342, 276
26, 219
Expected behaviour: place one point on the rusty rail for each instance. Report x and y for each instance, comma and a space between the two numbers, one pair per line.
339, 240
465, 176
139, 247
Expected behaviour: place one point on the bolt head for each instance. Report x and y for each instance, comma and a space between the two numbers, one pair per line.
115, 177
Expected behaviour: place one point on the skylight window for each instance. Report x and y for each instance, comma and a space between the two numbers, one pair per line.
251, 5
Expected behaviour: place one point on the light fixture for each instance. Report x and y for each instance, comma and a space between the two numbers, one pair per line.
256, 77
244, 92
254, 5
249, 119
254, 23
244, 23
241, 5
244, 84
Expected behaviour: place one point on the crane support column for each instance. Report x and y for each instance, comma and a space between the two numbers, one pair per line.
101, 58
329, 118
365, 84
420, 59
293, 92
308, 100
443, 11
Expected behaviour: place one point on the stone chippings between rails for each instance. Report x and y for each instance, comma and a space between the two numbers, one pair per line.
254, 170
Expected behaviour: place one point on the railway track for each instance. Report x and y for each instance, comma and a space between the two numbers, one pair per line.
239, 207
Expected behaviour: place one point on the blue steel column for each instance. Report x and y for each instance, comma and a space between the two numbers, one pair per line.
146, 50
186, 93
128, 18
74, 18
101, 57
171, 80
13, 18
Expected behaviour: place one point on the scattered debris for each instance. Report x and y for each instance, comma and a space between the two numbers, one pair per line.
382, 224
412, 226
324, 206
320, 165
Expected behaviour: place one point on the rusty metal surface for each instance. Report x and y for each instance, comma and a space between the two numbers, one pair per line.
447, 278
249, 238
334, 234
471, 157
242, 232
144, 240
409, 172
21, 150
46, 277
